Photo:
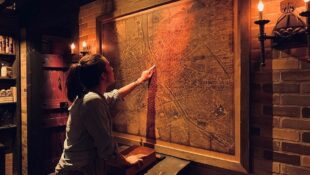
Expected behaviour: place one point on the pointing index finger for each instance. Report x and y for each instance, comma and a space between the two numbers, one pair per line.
152, 67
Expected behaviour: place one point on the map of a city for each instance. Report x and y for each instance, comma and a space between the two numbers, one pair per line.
190, 99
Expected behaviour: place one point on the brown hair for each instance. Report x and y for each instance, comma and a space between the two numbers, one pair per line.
85, 75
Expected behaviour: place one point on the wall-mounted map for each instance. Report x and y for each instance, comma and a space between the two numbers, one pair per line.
190, 100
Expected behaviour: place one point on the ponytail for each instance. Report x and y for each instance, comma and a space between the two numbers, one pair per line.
73, 83
85, 75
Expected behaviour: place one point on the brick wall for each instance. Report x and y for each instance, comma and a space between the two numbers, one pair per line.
87, 24
280, 118
280, 123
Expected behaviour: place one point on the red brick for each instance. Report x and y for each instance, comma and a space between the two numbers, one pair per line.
306, 112
287, 111
302, 100
82, 27
275, 53
294, 170
281, 88
276, 99
285, 134
306, 137
280, 134
295, 76
285, 54
296, 148
282, 157
296, 124
305, 65
305, 161
84, 38
276, 122
305, 88
267, 77
280, 64
298, 52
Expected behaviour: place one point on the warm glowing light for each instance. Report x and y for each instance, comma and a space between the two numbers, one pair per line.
306, 1
260, 6
84, 45
104, 47
72, 46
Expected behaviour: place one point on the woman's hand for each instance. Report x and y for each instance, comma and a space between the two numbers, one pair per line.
145, 75
135, 160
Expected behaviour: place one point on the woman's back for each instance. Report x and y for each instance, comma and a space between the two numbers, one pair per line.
86, 115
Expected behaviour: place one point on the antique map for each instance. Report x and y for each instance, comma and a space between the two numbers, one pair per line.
190, 99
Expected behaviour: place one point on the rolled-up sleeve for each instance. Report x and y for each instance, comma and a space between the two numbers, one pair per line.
112, 96
98, 126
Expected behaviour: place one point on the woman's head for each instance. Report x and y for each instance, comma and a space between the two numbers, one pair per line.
89, 73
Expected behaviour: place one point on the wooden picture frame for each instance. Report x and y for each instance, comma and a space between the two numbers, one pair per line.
239, 161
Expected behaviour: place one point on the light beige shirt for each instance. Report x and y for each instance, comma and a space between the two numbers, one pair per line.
89, 131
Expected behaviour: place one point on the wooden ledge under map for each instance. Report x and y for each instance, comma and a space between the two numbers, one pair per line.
148, 160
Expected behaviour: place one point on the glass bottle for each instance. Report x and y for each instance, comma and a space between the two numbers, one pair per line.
4, 70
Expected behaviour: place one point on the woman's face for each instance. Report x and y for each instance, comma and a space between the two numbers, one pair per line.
110, 74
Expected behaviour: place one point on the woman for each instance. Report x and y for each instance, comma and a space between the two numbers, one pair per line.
89, 142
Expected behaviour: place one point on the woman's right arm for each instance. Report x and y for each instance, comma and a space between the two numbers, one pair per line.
145, 75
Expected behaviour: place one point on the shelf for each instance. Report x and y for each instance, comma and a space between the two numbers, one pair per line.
7, 79
8, 103
7, 57
7, 54
7, 127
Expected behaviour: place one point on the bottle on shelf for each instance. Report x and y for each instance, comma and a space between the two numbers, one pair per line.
3, 44
11, 45
4, 70
8, 95
6, 45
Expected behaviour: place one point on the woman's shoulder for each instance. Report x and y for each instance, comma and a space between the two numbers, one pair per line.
91, 96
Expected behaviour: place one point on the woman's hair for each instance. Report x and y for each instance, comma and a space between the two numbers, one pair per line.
85, 75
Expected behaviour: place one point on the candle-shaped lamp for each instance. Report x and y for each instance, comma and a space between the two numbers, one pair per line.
307, 5
260, 7
72, 46
84, 46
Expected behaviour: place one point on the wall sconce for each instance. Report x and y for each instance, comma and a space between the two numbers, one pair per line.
85, 49
72, 47
73, 56
289, 32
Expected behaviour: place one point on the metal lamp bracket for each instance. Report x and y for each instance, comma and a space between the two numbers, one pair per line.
290, 31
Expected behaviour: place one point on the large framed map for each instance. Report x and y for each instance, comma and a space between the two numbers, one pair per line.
196, 105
